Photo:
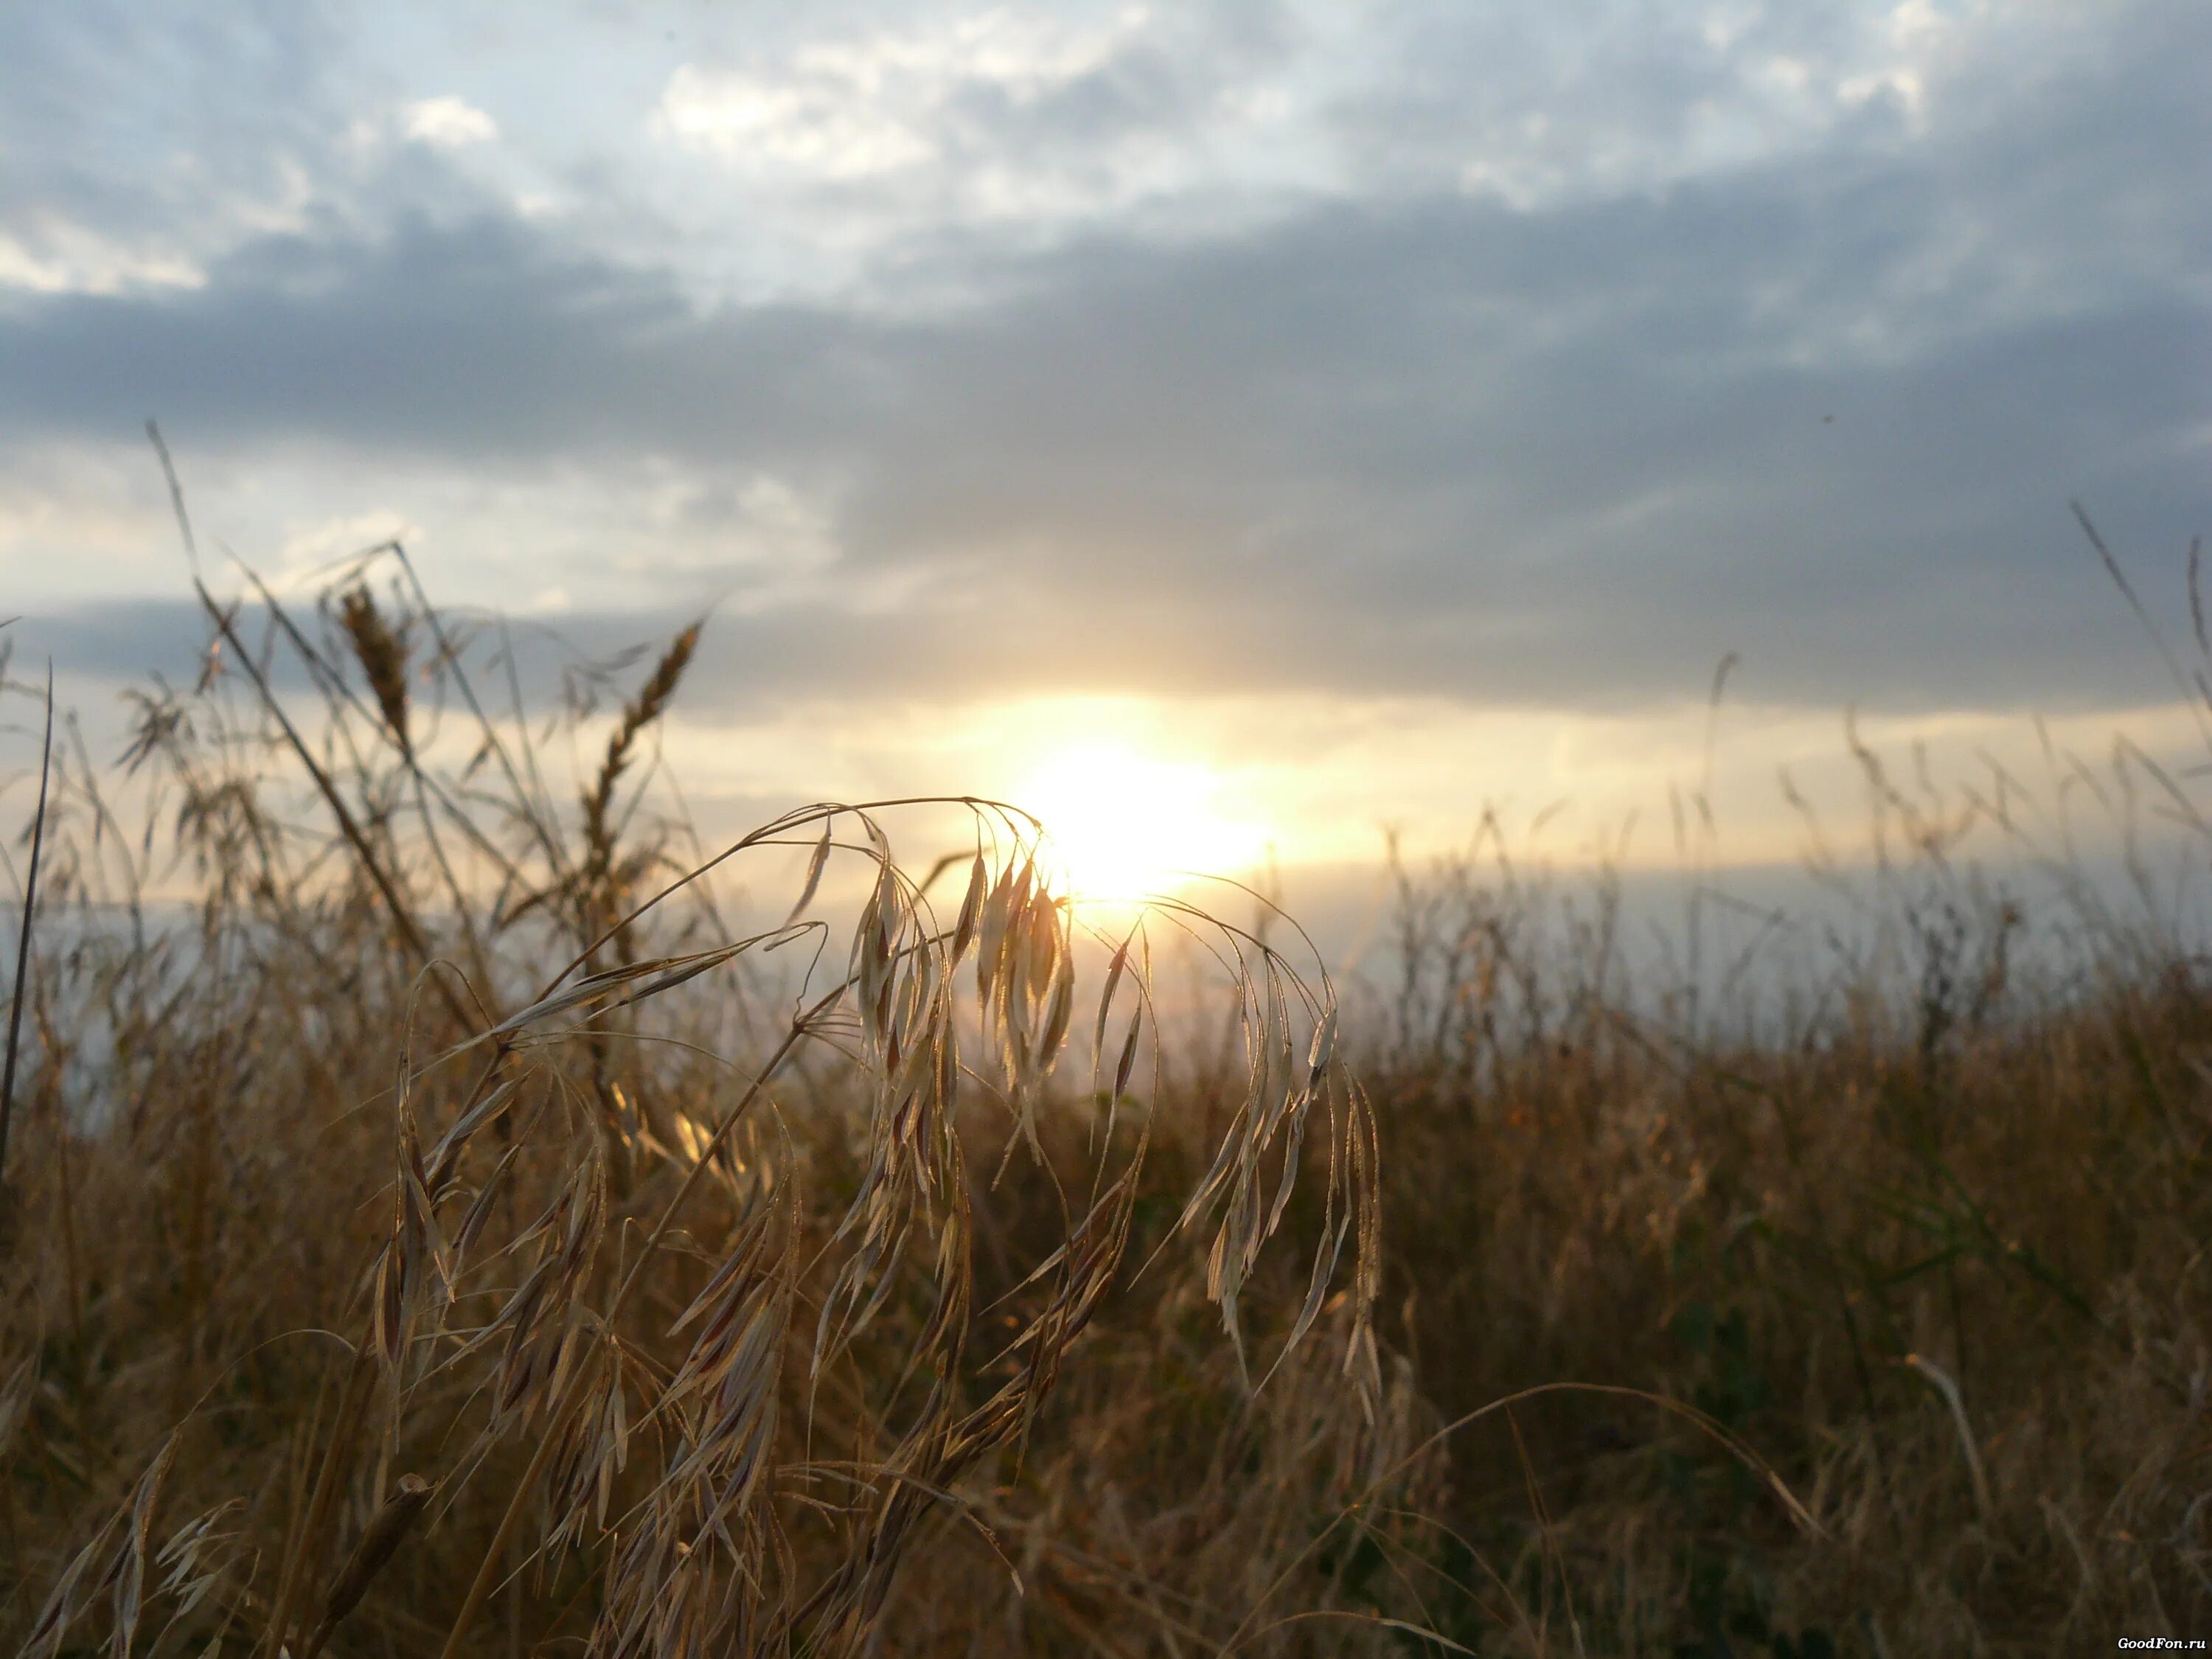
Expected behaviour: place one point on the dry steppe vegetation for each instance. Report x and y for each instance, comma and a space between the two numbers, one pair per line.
446, 1231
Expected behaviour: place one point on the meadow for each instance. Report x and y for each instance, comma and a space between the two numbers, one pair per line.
435, 1224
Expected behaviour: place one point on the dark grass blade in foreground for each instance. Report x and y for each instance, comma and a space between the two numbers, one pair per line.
18, 996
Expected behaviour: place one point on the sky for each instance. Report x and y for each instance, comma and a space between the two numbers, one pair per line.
1304, 418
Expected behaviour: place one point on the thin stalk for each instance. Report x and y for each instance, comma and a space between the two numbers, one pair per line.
333, 685
23, 940
402, 917
338, 1462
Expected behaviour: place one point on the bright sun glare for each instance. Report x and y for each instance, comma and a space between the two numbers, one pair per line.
1124, 824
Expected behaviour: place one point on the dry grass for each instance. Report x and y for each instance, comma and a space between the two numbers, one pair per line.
1942, 1269
452, 1235
443, 1243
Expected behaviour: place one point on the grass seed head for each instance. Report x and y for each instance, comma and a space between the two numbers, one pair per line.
382, 652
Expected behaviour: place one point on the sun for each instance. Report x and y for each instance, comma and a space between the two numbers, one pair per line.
1125, 826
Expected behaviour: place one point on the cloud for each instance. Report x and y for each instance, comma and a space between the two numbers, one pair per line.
446, 123
138, 142
876, 103
311, 550
1447, 448
830, 132
1562, 450
1004, 116
63, 258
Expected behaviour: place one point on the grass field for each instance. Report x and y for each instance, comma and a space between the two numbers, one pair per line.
423, 1237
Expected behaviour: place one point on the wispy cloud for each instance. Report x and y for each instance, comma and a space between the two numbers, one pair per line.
446, 123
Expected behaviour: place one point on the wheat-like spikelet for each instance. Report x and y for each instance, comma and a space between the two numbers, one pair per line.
650, 702
604, 874
382, 654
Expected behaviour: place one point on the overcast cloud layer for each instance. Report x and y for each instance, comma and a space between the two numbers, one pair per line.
1516, 355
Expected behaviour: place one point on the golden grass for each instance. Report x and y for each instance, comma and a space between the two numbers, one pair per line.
397, 1268
450, 1234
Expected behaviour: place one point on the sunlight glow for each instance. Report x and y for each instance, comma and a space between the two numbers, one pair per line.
1125, 826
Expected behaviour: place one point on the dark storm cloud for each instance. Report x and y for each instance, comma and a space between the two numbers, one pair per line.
1828, 413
